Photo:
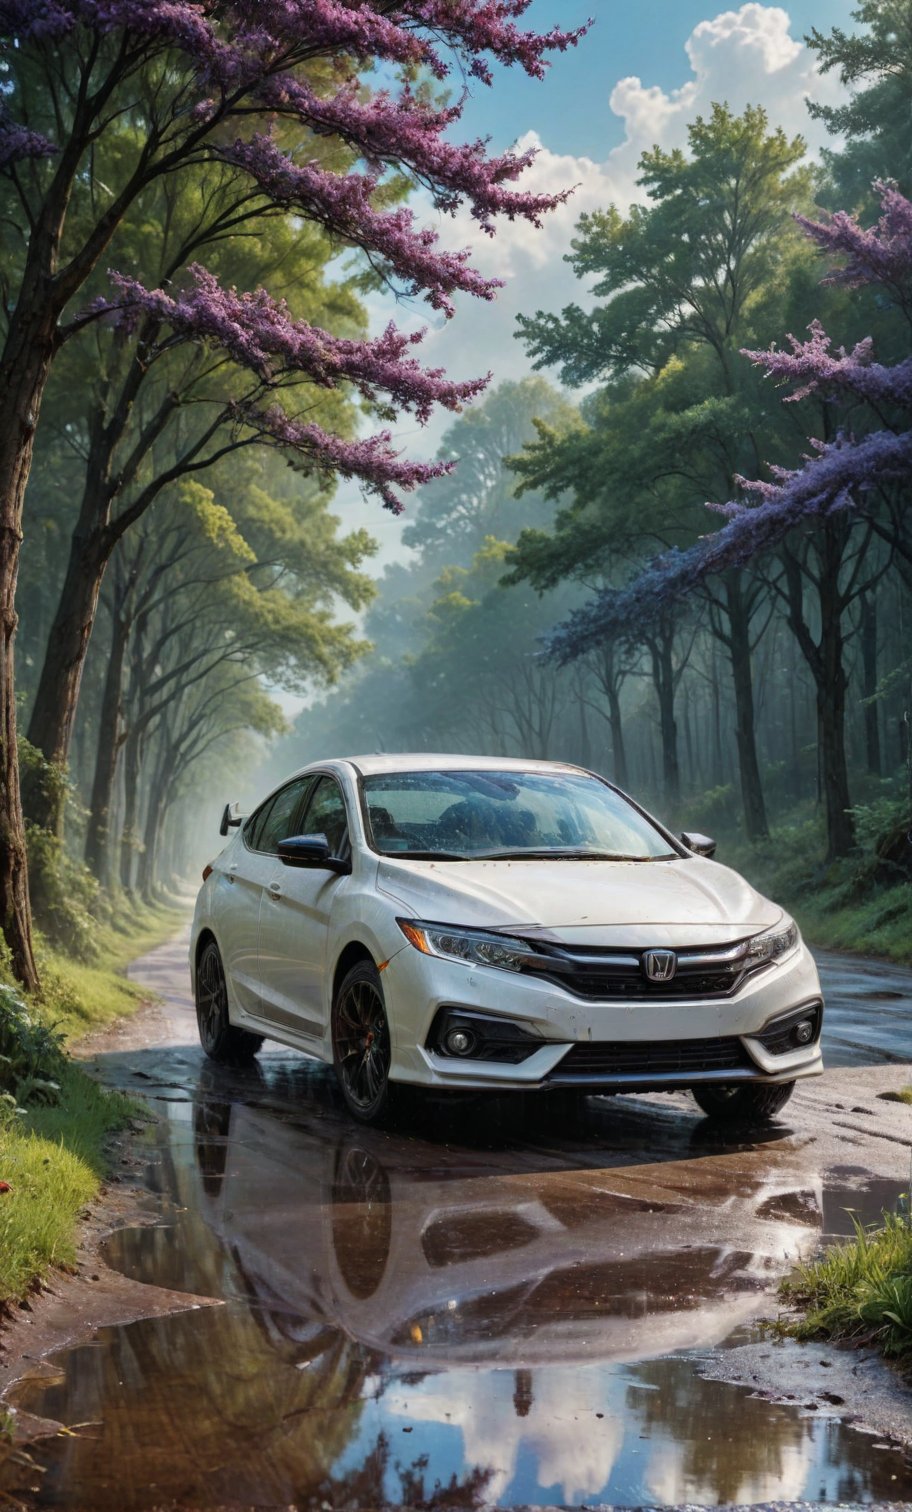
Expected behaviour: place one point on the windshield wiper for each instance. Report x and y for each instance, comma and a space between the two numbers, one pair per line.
429, 855
557, 854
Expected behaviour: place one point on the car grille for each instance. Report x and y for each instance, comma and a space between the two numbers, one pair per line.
704, 972
646, 1058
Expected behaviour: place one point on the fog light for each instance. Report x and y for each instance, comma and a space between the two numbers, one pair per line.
459, 1042
803, 1033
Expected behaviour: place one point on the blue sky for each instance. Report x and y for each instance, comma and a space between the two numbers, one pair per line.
643, 37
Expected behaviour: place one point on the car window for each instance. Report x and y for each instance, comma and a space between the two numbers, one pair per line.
278, 819
325, 815
458, 815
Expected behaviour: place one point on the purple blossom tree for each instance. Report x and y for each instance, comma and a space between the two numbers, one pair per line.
835, 477
235, 82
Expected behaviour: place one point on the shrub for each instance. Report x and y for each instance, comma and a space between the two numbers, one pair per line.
31, 1054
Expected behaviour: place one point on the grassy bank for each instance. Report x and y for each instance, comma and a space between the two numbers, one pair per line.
52, 1159
859, 1292
55, 1122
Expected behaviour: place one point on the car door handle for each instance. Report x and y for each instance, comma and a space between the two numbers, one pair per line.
232, 870
275, 889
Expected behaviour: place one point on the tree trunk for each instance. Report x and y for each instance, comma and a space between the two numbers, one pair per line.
831, 702
129, 836
54, 711
739, 646
662, 654
826, 659
155, 812
23, 376
869, 682
98, 838
618, 745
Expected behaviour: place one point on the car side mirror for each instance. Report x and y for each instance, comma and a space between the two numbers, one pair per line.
310, 850
701, 845
231, 818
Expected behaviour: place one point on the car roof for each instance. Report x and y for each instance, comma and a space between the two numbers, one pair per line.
422, 761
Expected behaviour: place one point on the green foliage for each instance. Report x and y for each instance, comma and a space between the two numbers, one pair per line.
683, 283
875, 62
65, 895
31, 1058
860, 1291
53, 1159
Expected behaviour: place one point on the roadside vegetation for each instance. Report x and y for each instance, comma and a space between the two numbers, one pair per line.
860, 1292
55, 1122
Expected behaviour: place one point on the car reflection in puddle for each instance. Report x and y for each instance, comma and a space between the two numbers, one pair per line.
409, 1320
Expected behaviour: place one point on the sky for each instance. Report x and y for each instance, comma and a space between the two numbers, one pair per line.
645, 70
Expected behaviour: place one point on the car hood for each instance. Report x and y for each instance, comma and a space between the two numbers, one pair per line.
685, 901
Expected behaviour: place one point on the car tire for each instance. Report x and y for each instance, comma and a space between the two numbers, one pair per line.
220, 1039
361, 1044
749, 1104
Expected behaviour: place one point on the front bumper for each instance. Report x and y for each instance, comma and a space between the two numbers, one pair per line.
417, 987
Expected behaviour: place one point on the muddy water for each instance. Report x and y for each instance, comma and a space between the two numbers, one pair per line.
491, 1305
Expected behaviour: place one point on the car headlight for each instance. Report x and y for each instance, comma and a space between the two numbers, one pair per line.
772, 946
473, 947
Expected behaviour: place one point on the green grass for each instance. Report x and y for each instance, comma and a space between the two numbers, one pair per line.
53, 1159
904, 1095
858, 1292
52, 1155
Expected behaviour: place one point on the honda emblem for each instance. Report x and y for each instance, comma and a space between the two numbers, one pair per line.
660, 965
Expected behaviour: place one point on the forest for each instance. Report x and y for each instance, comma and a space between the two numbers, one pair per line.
173, 571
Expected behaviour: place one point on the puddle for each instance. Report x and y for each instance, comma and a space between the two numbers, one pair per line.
517, 1318
261, 1406
866, 1202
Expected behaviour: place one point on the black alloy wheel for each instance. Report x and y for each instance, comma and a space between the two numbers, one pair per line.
218, 1036
751, 1103
361, 1043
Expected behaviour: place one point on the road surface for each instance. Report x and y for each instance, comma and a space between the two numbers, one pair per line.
485, 1301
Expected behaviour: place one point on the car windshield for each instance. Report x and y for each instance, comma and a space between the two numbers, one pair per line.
509, 815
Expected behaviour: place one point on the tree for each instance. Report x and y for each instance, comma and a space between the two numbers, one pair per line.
682, 282
243, 589
478, 498
157, 88
874, 122
863, 471
155, 406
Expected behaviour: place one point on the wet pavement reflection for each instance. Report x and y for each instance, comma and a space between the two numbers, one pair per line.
867, 1021
489, 1305
436, 1315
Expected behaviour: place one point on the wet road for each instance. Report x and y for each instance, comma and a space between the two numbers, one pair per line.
484, 1307
868, 1010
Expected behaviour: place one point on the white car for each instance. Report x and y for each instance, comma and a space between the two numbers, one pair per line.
479, 923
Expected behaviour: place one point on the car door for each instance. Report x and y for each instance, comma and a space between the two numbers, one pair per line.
295, 918
249, 866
